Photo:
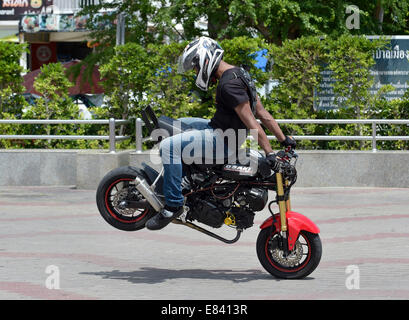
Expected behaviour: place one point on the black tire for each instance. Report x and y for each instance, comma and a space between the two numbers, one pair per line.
269, 255
111, 188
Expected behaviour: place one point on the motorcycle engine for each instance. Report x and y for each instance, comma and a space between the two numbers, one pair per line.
243, 217
208, 213
246, 203
238, 209
254, 198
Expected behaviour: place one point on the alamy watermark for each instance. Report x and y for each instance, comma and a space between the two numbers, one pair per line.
352, 21
352, 281
52, 282
207, 146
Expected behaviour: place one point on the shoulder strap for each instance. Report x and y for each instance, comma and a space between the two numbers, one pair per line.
251, 87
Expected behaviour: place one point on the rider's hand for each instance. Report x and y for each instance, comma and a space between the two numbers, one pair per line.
273, 162
289, 142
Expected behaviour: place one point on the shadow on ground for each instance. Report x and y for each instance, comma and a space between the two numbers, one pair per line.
157, 275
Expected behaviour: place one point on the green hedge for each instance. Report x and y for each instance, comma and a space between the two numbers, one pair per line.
137, 76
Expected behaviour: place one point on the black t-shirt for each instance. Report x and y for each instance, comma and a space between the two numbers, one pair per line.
231, 91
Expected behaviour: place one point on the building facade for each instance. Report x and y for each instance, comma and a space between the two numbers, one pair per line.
50, 28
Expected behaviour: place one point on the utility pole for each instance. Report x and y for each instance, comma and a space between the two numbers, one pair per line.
120, 29
120, 40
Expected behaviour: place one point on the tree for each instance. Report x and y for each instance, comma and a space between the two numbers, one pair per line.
274, 21
127, 75
11, 82
139, 14
301, 37
278, 20
383, 17
297, 68
54, 103
53, 85
350, 59
177, 95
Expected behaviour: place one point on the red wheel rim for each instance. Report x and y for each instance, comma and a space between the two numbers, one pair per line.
286, 270
115, 215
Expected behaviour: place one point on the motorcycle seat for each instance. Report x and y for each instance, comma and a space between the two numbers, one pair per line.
168, 126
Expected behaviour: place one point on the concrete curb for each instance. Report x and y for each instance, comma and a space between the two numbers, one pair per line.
85, 168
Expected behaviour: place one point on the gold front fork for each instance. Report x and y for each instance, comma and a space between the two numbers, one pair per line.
288, 202
281, 202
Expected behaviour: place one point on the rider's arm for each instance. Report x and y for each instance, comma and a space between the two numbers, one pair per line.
268, 121
244, 112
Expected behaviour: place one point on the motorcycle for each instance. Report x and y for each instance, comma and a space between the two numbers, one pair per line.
220, 195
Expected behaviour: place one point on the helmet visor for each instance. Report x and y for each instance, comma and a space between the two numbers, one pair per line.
188, 59
186, 63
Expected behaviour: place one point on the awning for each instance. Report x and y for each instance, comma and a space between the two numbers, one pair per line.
69, 36
12, 38
9, 31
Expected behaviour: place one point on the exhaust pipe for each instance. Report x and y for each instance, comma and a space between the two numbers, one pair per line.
148, 194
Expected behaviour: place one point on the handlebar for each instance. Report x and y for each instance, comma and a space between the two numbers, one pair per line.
288, 159
287, 155
283, 161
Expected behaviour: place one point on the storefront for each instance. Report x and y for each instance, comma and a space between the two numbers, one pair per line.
54, 37
51, 31
52, 41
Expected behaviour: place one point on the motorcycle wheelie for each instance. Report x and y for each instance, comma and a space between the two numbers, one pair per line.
217, 193
221, 195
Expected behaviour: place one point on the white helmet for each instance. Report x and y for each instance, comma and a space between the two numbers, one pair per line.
204, 54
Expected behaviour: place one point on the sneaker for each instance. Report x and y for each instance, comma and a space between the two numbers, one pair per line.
162, 219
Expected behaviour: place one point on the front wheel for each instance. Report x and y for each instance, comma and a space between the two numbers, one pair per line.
115, 187
298, 264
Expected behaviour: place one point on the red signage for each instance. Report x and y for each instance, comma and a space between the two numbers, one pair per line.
43, 53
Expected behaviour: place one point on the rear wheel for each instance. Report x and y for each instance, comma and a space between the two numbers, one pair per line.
298, 264
115, 187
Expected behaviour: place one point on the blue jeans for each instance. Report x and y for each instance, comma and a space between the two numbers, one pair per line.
200, 145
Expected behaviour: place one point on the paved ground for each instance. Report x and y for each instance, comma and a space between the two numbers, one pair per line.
54, 236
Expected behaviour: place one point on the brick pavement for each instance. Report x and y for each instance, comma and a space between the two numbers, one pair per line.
60, 226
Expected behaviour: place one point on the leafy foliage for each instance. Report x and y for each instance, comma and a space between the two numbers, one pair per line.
301, 37
10, 77
298, 67
54, 103
279, 20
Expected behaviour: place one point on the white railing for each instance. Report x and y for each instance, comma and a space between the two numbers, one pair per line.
373, 122
112, 137
140, 139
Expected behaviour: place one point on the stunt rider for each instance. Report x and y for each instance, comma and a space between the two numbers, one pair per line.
237, 106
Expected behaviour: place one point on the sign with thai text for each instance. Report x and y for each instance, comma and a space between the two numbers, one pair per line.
391, 67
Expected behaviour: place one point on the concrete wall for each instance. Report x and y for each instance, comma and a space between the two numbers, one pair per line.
81, 168
37, 167
85, 168
91, 167
353, 169
336, 168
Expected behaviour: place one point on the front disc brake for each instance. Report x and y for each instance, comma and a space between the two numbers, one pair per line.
289, 261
